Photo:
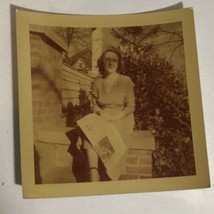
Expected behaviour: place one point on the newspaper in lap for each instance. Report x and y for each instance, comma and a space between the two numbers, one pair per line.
106, 141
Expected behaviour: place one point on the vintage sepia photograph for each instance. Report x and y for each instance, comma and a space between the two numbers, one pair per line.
110, 103
133, 77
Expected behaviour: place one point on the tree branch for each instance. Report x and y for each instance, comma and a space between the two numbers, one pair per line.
175, 50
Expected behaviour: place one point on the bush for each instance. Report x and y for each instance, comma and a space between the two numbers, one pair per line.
75, 113
162, 107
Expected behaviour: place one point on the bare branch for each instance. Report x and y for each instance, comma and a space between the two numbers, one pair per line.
121, 37
149, 34
177, 33
175, 50
167, 42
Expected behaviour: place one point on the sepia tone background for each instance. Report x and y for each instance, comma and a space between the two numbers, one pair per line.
194, 201
63, 66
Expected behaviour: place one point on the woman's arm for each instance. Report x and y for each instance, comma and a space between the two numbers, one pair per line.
96, 108
129, 100
95, 94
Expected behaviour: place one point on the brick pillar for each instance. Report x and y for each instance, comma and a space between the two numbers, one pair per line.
139, 158
138, 165
46, 73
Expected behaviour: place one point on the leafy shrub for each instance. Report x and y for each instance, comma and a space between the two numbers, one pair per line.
76, 112
162, 107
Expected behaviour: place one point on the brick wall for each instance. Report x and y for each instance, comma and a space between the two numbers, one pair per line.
52, 162
139, 158
46, 68
138, 165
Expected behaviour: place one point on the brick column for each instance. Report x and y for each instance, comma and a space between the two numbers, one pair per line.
46, 73
139, 158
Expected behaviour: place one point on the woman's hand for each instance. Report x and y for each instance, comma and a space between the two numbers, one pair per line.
106, 116
96, 109
118, 116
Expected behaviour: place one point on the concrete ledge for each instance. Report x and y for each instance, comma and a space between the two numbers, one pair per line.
141, 139
53, 136
52, 144
53, 133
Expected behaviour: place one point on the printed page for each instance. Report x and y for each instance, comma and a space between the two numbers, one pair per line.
105, 139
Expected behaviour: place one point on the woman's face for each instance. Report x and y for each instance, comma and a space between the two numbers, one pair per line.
111, 60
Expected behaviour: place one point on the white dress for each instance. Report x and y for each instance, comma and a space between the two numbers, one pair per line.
113, 100
120, 98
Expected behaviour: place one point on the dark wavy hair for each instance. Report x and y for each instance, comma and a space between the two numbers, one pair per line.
100, 61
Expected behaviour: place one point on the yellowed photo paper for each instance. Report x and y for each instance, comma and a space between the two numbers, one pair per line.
109, 104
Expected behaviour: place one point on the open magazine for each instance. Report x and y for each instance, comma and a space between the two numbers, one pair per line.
106, 141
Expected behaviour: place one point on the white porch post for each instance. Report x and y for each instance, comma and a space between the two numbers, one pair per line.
97, 49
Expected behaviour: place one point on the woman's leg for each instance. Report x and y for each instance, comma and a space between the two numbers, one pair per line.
92, 162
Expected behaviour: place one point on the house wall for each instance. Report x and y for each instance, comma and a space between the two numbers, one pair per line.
72, 82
